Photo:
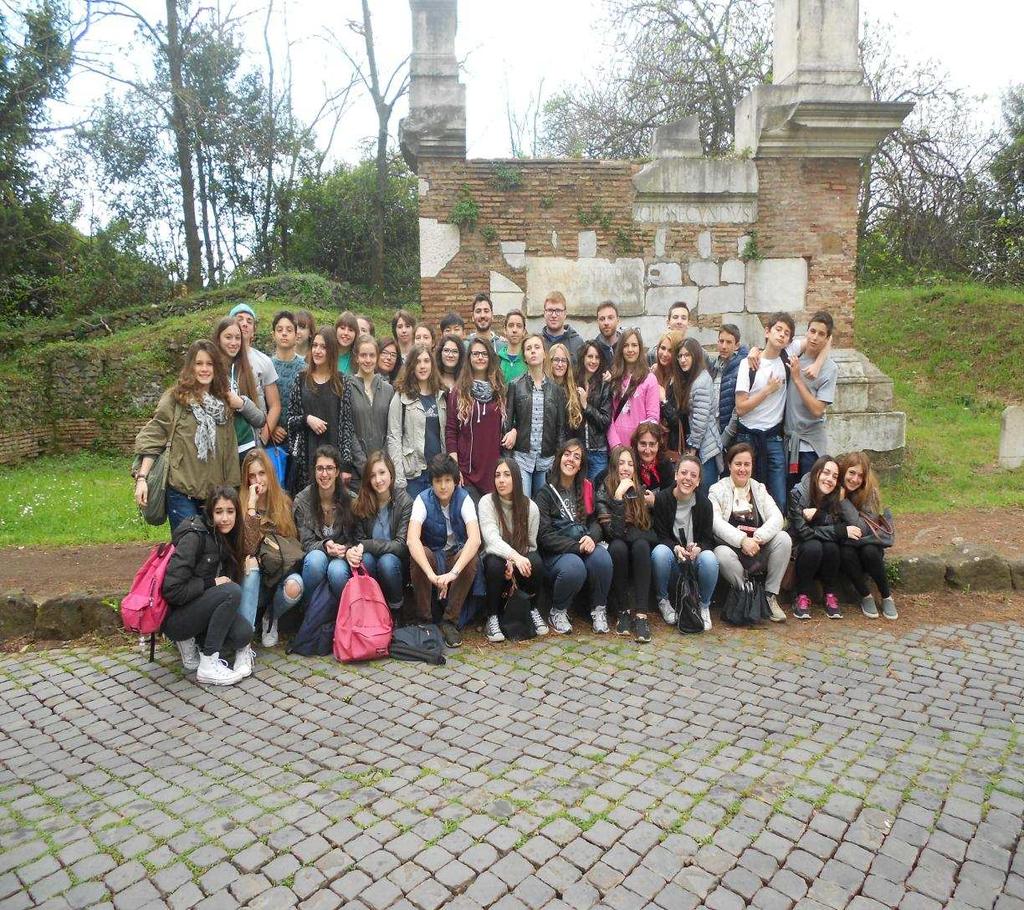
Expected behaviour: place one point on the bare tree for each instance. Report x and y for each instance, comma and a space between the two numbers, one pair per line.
524, 125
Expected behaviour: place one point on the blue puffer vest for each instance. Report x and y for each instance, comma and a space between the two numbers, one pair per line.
435, 531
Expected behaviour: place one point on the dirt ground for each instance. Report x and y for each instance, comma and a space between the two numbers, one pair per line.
45, 572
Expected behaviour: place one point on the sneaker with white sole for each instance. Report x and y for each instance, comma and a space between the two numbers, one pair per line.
868, 608
832, 610
889, 608
269, 637
215, 672
560, 621
667, 613
642, 629
189, 651
600, 617
624, 625
705, 617
776, 611
493, 630
245, 658
539, 626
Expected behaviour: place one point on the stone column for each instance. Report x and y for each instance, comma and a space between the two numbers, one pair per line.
816, 41
436, 125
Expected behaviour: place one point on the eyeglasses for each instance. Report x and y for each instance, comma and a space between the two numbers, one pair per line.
325, 469
559, 360
389, 354
478, 354
549, 310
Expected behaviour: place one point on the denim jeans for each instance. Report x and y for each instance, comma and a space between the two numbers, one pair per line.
388, 572
570, 571
775, 447
181, 507
597, 462
417, 485
666, 571
533, 482
805, 463
318, 565
282, 602
708, 475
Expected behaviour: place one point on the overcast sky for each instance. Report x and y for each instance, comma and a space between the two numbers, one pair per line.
510, 48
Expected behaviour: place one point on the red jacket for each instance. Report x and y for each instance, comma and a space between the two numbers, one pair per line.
477, 442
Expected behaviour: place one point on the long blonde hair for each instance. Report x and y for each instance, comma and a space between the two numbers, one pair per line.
278, 514
664, 374
868, 498
568, 384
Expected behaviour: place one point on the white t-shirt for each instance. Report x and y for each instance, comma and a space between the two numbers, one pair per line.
768, 413
264, 371
468, 512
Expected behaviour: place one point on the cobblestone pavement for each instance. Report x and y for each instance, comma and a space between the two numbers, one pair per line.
882, 770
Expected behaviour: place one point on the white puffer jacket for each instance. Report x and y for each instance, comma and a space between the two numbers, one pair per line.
721, 495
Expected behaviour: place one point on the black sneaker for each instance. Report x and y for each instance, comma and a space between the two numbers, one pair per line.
624, 626
642, 629
450, 633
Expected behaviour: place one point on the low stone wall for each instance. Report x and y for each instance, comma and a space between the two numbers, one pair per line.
965, 568
75, 436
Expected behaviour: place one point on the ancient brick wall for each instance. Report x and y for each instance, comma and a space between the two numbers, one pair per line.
74, 436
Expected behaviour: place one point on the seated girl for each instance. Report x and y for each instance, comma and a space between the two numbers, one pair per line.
202, 592
508, 525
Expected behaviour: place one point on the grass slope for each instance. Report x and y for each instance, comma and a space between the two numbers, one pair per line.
952, 352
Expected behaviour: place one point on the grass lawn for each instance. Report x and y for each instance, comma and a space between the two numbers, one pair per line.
77, 499
953, 353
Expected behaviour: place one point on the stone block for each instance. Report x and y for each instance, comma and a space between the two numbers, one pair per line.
17, 615
658, 300
661, 274
734, 271
726, 298
741, 245
884, 431
704, 244
587, 244
696, 191
423, 186
776, 284
67, 616
650, 328
514, 252
1017, 573
660, 236
921, 574
973, 568
677, 140
439, 242
751, 328
585, 284
1011, 437
505, 294
703, 274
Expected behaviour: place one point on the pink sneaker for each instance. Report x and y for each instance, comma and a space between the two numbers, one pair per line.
832, 607
802, 607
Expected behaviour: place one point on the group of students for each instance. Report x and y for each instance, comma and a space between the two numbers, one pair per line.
587, 474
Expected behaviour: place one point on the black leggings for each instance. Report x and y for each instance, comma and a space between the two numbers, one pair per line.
494, 575
630, 562
213, 619
817, 559
865, 561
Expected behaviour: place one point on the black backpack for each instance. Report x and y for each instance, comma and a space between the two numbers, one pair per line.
315, 637
422, 641
686, 600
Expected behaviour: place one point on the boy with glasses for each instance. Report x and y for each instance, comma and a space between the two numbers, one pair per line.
556, 329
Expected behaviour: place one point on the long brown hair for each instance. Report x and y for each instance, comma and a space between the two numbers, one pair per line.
635, 509
232, 541
366, 505
555, 474
682, 381
331, 344
664, 375
868, 498
186, 389
637, 373
575, 410
463, 396
407, 383
278, 514
518, 535
341, 499
243, 372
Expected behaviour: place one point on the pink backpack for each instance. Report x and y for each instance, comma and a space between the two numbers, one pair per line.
143, 609
364, 626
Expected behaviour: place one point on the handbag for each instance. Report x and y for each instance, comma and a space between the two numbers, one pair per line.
277, 556
516, 623
686, 599
880, 529
154, 512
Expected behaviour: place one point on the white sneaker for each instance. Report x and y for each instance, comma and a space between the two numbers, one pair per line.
776, 610
600, 617
189, 651
667, 613
560, 622
244, 661
269, 632
215, 672
493, 630
705, 617
539, 626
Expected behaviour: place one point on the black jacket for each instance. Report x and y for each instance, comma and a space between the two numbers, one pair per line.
197, 561
664, 519
556, 534
611, 513
822, 527
401, 509
597, 417
520, 408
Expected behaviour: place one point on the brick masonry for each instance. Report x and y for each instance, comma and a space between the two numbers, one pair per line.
807, 208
